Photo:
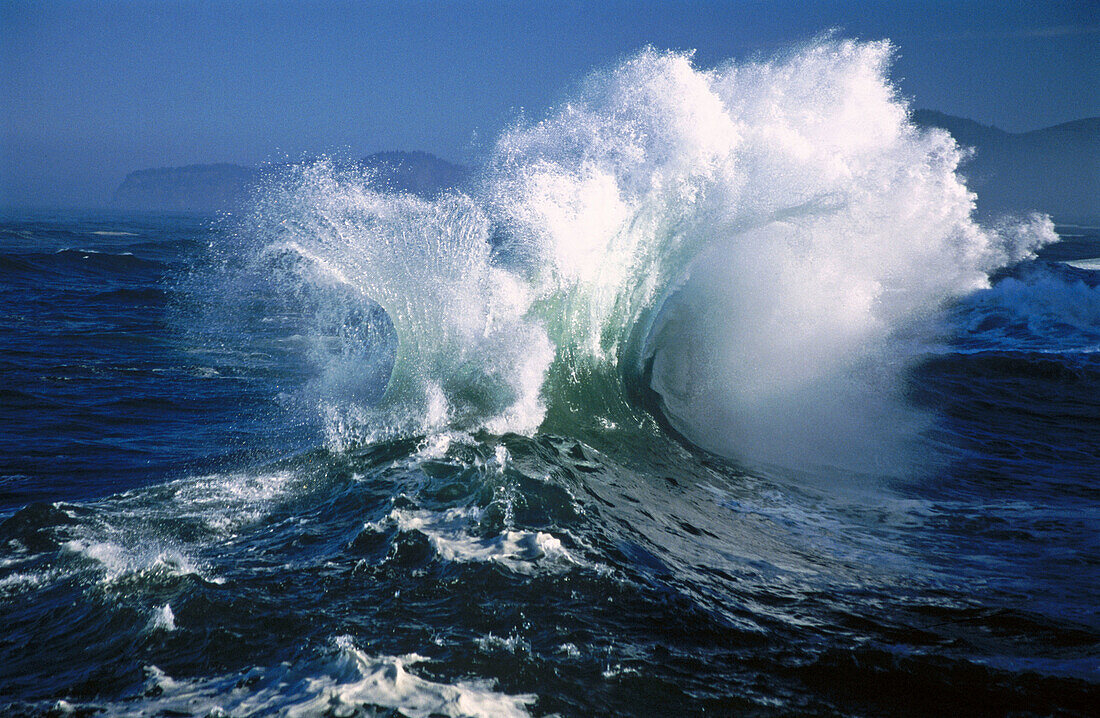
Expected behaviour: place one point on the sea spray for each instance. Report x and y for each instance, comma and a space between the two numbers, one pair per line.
748, 242
464, 355
757, 235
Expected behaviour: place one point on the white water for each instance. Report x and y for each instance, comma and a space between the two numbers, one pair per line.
345, 682
764, 232
467, 356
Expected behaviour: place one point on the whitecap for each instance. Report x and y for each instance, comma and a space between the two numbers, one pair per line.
449, 533
341, 683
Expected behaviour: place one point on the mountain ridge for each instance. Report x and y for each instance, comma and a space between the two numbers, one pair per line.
224, 186
1055, 170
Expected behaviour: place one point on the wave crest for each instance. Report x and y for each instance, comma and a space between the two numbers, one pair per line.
751, 240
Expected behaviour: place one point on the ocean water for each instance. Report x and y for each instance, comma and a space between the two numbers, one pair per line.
711, 395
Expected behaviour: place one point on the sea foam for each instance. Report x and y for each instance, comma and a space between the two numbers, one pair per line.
345, 681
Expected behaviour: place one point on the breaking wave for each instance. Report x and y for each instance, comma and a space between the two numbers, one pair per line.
748, 254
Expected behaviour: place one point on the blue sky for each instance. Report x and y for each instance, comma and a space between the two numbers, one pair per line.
91, 91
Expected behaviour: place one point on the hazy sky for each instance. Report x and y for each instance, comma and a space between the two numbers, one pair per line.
92, 90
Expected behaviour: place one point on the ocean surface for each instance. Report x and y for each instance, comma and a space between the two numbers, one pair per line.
712, 394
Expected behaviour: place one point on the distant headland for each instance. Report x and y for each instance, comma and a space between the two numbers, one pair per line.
1054, 170
225, 187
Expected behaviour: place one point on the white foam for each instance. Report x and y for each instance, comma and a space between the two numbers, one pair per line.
1092, 265
227, 503
513, 643
121, 538
17, 583
117, 560
449, 533
162, 620
340, 684
569, 649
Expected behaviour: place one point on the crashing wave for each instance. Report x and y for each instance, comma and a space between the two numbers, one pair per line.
742, 244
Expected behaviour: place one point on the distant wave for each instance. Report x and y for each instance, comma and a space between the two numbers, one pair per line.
78, 260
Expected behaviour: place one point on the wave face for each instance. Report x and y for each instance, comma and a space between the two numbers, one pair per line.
744, 244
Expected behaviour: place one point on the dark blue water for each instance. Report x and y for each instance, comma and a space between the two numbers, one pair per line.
87, 304
176, 539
